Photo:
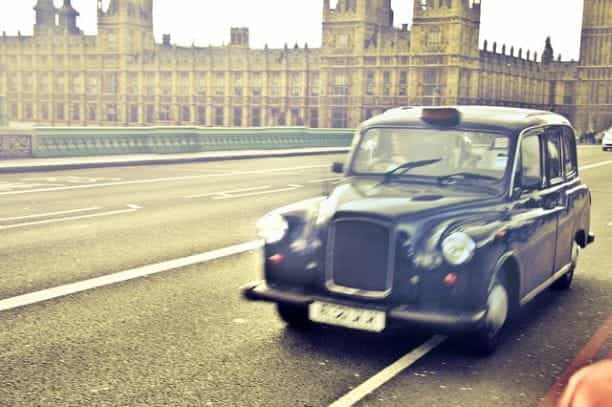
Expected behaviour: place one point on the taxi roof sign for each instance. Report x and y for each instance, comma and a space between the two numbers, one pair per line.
443, 116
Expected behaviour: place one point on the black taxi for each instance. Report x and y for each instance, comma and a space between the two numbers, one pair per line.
448, 218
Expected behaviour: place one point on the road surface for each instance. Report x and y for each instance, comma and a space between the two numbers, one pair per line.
177, 332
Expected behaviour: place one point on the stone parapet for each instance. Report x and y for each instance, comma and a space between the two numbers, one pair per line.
15, 143
76, 142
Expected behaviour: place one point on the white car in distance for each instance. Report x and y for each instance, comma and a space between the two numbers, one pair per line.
606, 140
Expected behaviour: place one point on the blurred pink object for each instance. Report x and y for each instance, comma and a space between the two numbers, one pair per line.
590, 387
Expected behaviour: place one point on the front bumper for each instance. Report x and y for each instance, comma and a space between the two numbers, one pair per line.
443, 321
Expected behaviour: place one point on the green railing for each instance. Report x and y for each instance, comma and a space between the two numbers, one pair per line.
88, 141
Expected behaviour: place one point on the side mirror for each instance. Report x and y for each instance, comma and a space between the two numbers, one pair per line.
516, 193
338, 168
530, 183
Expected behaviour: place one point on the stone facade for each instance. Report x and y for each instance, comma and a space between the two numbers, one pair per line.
121, 77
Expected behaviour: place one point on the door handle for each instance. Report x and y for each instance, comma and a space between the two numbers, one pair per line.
550, 204
532, 203
553, 201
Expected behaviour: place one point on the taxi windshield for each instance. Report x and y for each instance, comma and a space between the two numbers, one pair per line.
445, 152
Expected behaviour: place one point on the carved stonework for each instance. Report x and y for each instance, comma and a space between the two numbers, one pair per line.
15, 146
434, 41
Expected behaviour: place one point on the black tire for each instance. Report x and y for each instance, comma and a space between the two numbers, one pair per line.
486, 339
565, 282
294, 315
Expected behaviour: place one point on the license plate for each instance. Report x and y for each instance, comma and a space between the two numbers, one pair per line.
348, 317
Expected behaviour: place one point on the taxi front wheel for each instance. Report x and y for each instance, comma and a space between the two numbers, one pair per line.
486, 339
295, 316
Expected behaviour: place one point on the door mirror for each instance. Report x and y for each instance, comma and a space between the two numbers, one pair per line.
338, 168
516, 193
530, 183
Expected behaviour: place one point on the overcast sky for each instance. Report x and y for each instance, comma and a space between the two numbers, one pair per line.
521, 23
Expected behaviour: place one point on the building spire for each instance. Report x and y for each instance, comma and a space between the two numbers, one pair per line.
67, 18
548, 55
45, 16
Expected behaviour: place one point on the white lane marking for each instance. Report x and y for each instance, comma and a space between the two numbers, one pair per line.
70, 179
139, 272
224, 193
132, 206
303, 167
291, 187
43, 215
20, 185
590, 166
70, 218
316, 181
388, 373
156, 180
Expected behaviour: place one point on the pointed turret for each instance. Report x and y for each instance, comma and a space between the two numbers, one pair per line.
548, 55
67, 18
45, 17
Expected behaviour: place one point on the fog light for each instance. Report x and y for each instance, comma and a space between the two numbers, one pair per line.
276, 259
451, 279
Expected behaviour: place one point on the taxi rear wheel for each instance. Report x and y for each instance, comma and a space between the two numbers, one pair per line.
565, 282
293, 315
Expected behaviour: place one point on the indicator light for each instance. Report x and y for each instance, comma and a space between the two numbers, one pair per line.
276, 259
451, 279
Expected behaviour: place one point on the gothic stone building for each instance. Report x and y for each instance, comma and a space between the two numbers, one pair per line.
121, 77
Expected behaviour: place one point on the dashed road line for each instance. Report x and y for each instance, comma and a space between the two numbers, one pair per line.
227, 193
139, 272
388, 373
317, 181
291, 187
158, 180
44, 215
68, 219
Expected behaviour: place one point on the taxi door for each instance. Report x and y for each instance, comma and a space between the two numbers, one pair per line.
575, 194
534, 221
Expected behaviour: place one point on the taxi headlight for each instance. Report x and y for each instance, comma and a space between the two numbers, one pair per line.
272, 228
458, 248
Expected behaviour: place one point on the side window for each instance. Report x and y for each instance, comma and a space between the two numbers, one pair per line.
570, 161
530, 165
554, 171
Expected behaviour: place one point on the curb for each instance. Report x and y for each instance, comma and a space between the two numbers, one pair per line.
154, 161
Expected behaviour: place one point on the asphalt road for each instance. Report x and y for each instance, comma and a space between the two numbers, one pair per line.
185, 337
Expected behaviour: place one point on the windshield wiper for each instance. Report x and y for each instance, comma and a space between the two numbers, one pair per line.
465, 175
407, 167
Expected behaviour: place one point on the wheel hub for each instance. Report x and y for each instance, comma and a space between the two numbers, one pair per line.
497, 309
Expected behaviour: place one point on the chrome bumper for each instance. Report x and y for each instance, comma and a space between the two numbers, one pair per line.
445, 321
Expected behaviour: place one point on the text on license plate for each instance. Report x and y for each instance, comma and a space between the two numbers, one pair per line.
356, 318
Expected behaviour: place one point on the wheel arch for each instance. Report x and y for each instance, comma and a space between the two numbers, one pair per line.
581, 238
508, 269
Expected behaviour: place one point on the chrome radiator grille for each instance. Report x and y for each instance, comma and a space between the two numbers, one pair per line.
360, 257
